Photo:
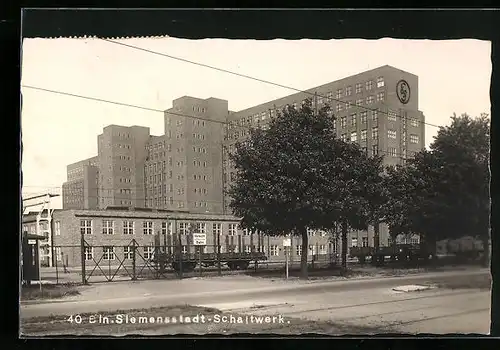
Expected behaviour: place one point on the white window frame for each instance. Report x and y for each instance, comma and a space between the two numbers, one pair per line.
354, 119
380, 82
201, 227
364, 134
108, 227
128, 253
248, 249
369, 85
363, 117
149, 252
217, 228
85, 228
392, 134
343, 122
354, 242
380, 96
58, 254
89, 253
354, 136
57, 228
414, 139
147, 227
108, 253
232, 229
127, 230
392, 115
183, 228
322, 249
274, 250
164, 227
359, 88
298, 249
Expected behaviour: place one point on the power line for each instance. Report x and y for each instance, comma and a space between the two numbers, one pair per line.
247, 77
120, 103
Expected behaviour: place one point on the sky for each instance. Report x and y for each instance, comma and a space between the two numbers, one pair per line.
57, 130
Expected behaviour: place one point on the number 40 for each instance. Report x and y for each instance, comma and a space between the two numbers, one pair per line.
75, 319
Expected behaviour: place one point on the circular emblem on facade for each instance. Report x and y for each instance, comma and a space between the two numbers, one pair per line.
403, 91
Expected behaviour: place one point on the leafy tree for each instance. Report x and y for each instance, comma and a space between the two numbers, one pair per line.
463, 150
444, 193
353, 191
281, 173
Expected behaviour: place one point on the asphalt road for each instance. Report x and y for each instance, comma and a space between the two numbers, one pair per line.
370, 301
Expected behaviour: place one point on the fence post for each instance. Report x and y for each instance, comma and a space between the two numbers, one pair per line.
57, 270
82, 249
134, 277
219, 270
180, 256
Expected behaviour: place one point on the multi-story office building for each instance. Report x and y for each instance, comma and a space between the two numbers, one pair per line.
377, 109
80, 189
187, 168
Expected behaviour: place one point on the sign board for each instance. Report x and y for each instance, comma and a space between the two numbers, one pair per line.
31, 241
287, 242
199, 238
403, 91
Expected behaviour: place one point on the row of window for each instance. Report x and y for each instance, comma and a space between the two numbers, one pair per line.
109, 252
392, 134
156, 146
124, 180
198, 122
257, 118
199, 149
359, 87
128, 226
369, 100
120, 145
124, 157
199, 109
162, 201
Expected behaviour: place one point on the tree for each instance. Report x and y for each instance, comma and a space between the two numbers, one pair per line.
444, 193
281, 173
415, 205
353, 190
463, 150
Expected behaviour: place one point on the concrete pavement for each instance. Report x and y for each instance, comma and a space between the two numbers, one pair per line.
433, 311
148, 294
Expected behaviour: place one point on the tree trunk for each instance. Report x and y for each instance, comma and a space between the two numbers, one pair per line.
303, 255
344, 244
376, 235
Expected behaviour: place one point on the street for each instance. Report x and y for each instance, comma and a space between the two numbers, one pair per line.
364, 302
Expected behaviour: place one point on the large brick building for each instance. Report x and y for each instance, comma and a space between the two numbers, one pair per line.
108, 235
187, 168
